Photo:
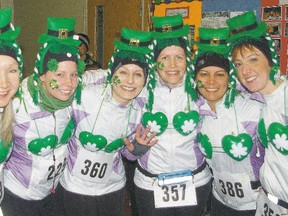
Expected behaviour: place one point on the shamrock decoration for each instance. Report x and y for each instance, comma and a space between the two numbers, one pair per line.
262, 133
4, 151
115, 145
67, 134
43, 147
160, 65
52, 64
205, 145
278, 135
237, 147
53, 84
158, 122
116, 80
92, 142
185, 123
200, 84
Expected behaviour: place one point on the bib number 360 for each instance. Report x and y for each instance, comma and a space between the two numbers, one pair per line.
174, 195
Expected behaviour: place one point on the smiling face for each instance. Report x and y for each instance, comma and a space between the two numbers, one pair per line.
61, 84
253, 69
9, 79
213, 84
171, 65
127, 83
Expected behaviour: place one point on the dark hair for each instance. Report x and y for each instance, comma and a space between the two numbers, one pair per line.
212, 59
261, 44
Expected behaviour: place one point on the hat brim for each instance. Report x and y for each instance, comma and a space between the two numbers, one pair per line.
44, 38
10, 35
122, 46
173, 34
255, 33
220, 49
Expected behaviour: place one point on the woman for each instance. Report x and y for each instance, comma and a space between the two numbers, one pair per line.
174, 117
11, 65
43, 126
228, 135
108, 114
256, 60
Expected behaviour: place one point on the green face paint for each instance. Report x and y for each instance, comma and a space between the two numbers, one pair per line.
116, 80
53, 84
160, 65
199, 84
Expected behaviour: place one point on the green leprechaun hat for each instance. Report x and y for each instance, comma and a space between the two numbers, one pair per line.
133, 40
169, 27
245, 25
133, 47
59, 43
7, 29
8, 36
60, 30
213, 40
246, 30
213, 50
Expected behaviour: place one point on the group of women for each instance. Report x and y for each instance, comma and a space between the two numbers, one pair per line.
193, 128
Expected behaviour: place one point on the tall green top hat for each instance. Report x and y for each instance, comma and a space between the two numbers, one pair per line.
246, 30
213, 40
8, 36
213, 50
60, 30
246, 25
169, 27
58, 44
133, 47
7, 30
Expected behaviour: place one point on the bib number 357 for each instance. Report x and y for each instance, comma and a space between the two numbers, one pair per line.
174, 195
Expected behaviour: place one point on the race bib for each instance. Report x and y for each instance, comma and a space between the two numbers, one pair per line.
49, 169
234, 187
266, 207
175, 195
93, 167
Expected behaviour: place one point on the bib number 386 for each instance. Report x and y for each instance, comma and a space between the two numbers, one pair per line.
174, 195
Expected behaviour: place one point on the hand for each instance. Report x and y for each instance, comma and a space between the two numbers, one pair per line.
145, 139
142, 143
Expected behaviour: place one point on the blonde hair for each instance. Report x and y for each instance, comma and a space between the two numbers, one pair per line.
7, 119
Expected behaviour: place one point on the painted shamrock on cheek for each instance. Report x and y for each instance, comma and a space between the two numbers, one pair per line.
116, 80
160, 65
200, 84
53, 84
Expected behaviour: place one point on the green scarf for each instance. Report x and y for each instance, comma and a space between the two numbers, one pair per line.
47, 102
